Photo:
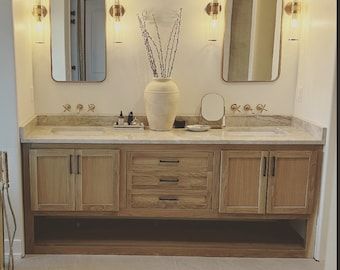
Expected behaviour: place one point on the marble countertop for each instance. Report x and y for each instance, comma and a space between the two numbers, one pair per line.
297, 133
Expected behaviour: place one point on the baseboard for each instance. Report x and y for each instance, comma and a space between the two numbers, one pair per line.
17, 248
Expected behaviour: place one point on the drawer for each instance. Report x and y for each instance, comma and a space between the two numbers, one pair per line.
170, 180
169, 202
170, 160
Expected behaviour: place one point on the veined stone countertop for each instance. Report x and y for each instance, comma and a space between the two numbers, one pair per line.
298, 132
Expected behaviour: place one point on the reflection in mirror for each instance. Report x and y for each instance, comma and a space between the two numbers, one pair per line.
252, 41
212, 107
78, 40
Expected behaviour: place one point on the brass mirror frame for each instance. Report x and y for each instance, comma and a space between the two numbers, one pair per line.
280, 54
79, 82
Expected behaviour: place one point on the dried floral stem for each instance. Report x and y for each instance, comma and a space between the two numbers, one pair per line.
164, 63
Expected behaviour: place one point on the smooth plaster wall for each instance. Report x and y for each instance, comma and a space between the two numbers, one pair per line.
315, 102
23, 59
197, 70
9, 137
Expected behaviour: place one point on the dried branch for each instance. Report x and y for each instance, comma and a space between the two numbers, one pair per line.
164, 62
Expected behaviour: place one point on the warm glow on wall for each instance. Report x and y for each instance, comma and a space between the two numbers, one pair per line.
213, 9
39, 12
117, 11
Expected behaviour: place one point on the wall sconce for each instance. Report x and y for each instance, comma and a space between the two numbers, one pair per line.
213, 9
39, 12
293, 9
117, 11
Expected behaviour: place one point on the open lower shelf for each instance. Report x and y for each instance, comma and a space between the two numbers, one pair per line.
142, 236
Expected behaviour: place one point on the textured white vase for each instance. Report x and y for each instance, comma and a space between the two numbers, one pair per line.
161, 98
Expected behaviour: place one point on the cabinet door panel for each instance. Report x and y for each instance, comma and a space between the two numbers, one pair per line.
97, 180
52, 181
291, 182
243, 183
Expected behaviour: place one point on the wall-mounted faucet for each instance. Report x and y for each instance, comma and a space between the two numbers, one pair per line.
247, 108
80, 107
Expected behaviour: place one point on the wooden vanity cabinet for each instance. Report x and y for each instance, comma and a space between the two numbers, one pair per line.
243, 182
291, 182
74, 180
97, 180
52, 181
275, 182
192, 200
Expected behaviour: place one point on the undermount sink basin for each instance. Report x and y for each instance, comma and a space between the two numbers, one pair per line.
78, 131
255, 131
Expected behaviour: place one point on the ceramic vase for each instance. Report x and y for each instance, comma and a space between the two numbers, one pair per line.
161, 97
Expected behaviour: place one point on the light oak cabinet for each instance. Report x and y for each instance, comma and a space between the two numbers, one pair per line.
243, 182
169, 180
74, 180
52, 180
291, 182
280, 182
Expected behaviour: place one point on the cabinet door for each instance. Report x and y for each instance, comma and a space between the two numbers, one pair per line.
97, 181
243, 182
52, 181
291, 182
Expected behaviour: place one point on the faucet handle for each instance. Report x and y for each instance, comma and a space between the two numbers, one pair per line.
91, 107
261, 108
67, 107
235, 108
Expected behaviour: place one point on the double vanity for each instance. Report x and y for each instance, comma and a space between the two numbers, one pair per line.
250, 189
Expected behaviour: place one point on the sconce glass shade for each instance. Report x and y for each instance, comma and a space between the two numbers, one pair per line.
39, 12
213, 9
213, 29
294, 10
117, 11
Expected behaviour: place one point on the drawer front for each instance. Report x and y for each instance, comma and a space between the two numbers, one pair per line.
170, 202
170, 181
174, 160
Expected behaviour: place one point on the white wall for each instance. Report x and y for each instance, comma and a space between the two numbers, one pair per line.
9, 138
197, 70
315, 102
23, 57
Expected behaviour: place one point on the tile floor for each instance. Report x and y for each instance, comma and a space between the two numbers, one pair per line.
77, 262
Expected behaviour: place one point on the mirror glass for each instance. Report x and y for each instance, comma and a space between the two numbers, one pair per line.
212, 107
78, 40
252, 40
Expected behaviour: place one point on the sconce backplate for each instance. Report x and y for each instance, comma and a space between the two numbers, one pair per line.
117, 11
39, 11
213, 8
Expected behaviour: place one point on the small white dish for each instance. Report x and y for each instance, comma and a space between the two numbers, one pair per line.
198, 128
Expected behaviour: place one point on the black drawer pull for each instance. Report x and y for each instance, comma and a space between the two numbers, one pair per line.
163, 180
168, 198
169, 161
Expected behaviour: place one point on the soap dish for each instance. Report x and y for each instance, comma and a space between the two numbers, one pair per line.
126, 126
198, 128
